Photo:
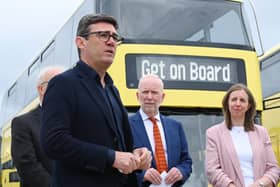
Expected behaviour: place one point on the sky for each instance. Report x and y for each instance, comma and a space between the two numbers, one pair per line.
26, 26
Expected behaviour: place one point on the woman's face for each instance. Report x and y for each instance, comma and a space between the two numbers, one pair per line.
238, 104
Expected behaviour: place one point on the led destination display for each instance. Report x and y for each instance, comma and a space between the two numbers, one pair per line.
183, 72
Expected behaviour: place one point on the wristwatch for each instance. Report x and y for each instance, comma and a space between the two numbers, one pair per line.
261, 184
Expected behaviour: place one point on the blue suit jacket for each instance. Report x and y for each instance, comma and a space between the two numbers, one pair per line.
77, 132
177, 148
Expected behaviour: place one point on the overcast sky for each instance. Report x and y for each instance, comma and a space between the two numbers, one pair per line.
28, 25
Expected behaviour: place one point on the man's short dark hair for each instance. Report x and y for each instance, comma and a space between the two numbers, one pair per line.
87, 20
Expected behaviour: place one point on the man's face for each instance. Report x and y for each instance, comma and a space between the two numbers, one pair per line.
94, 50
150, 95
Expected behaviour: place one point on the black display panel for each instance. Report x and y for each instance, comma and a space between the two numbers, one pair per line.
186, 72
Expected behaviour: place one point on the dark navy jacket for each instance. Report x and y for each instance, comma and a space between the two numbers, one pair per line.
78, 133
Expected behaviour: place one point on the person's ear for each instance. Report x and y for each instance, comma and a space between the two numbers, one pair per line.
162, 97
80, 42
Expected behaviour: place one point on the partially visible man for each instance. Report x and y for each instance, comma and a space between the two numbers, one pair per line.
163, 136
85, 125
33, 166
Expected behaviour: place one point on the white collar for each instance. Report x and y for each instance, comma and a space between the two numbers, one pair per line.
145, 117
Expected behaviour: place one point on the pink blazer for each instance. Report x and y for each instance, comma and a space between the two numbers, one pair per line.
222, 164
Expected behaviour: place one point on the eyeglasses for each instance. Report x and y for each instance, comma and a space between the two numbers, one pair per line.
105, 36
44, 82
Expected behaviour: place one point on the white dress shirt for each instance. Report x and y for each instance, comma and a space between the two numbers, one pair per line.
149, 130
243, 149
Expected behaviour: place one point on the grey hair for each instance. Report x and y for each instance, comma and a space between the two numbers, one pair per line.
43, 72
153, 76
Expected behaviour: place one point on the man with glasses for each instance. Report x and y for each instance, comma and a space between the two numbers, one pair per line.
85, 125
33, 166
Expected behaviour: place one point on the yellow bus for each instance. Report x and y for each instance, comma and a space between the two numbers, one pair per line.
270, 68
198, 47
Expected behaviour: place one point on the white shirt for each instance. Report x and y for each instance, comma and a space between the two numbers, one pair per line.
243, 149
149, 130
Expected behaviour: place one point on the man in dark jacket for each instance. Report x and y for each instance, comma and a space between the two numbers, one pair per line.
85, 127
34, 168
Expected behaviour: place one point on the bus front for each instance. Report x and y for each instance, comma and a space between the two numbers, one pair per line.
198, 47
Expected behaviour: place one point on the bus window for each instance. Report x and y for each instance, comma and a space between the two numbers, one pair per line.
179, 20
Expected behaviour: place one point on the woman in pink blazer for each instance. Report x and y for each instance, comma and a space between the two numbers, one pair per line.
239, 152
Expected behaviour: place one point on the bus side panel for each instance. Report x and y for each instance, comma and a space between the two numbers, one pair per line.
271, 120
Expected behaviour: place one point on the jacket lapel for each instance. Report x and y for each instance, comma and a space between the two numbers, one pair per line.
141, 134
226, 138
141, 131
97, 97
170, 150
254, 141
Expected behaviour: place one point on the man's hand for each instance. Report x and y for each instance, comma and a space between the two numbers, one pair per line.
153, 176
145, 157
126, 162
173, 175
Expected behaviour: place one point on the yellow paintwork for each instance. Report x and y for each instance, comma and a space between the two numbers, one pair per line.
5, 178
269, 53
271, 117
271, 120
6, 148
174, 98
186, 98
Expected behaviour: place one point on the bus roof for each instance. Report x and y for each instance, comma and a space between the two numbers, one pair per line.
270, 53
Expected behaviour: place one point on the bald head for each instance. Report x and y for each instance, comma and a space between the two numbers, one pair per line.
150, 94
45, 76
151, 78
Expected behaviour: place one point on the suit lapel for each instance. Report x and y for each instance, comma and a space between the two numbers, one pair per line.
226, 138
170, 150
141, 131
142, 136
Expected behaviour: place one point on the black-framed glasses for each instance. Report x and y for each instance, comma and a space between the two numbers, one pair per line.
105, 36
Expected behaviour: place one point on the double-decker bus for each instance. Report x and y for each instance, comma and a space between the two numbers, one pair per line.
198, 47
270, 68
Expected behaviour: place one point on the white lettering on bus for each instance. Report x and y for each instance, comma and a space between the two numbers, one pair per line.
209, 73
177, 71
153, 68
226, 73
